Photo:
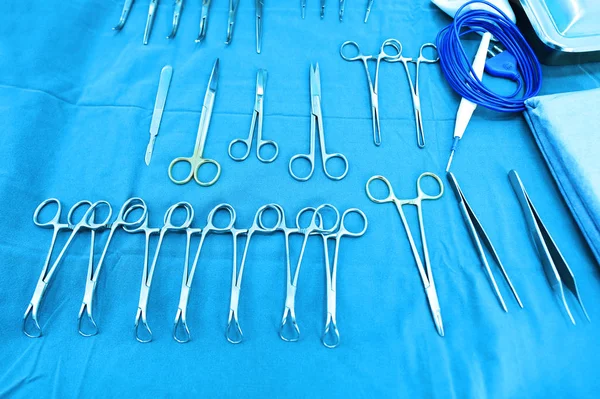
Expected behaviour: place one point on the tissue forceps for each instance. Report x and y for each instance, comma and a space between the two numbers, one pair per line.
423, 266
331, 334
150, 20
124, 15
478, 234
203, 20
92, 276
188, 272
234, 332
556, 268
261, 85
414, 88
196, 160
233, 6
316, 127
48, 270
374, 87
259, 4
315, 227
177, 9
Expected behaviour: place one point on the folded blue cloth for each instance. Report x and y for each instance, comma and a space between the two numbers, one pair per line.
565, 127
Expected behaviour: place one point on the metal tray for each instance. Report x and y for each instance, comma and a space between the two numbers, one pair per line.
561, 31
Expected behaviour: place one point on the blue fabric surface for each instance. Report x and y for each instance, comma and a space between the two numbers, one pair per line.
76, 102
563, 125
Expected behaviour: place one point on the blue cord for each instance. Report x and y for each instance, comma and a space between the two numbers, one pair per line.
457, 69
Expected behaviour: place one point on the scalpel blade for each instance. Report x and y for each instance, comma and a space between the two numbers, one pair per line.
159, 106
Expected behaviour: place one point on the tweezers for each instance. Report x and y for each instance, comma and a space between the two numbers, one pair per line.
479, 235
557, 270
233, 6
203, 20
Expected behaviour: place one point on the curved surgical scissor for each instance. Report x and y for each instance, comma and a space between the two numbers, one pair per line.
423, 266
316, 127
374, 86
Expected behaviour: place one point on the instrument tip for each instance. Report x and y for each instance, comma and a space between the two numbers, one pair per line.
450, 161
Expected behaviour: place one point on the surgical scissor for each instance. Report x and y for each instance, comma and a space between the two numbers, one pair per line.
196, 160
331, 334
316, 127
86, 222
257, 115
203, 20
234, 332
374, 87
423, 266
233, 6
93, 275
180, 323
414, 88
147, 274
259, 5
316, 226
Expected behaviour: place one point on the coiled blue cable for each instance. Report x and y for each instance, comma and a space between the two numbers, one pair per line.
456, 65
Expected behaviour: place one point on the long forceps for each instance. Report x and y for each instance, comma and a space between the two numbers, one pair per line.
259, 5
480, 238
414, 88
234, 332
177, 9
557, 270
124, 15
93, 275
331, 334
233, 6
316, 127
316, 226
257, 115
196, 160
48, 270
168, 226
150, 20
180, 323
423, 266
374, 87
203, 20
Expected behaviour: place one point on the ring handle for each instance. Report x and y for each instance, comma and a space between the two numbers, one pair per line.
354, 45
337, 155
427, 60
422, 194
90, 215
258, 222
396, 45
55, 219
189, 216
344, 231
247, 143
390, 197
211, 215
310, 160
261, 144
180, 160
197, 171
74, 208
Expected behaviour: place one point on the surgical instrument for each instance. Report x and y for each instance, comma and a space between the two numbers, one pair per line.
159, 106
233, 6
180, 323
124, 15
316, 127
481, 239
303, 8
322, 8
342, 8
257, 115
177, 9
259, 5
331, 335
48, 270
196, 160
414, 88
368, 12
424, 266
555, 266
150, 20
234, 332
92, 275
203, 20
374, 87
316, 226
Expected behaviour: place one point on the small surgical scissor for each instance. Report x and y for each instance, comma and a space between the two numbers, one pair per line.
233, 6
424, 266
234, 332
331, 334
374, 86
92, 275
86, 222
203, 20
259, 5
257, 115
414, 88
181, 332
196, 160
316, 127
148, 273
